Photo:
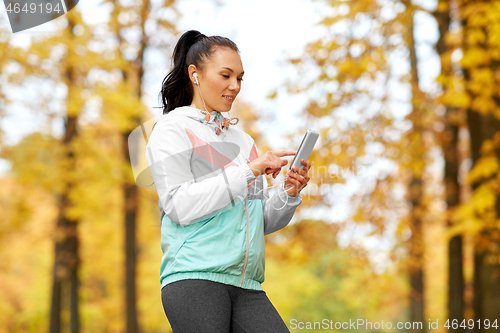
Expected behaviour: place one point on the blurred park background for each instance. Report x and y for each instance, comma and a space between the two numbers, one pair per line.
400, 221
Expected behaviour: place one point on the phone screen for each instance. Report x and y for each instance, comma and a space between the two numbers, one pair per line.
305, 148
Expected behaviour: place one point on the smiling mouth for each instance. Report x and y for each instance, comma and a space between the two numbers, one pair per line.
230, 99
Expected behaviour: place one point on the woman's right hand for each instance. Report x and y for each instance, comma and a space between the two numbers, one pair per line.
270, 162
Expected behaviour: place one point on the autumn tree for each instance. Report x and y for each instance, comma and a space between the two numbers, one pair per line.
72, 71
60, 56
481, 67
130, 52
450, 140
358, 61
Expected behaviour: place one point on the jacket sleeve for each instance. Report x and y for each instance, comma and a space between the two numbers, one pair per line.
181, 198
278, 209
278, 212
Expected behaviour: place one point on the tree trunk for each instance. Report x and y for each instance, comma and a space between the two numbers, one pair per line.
451, 178
486, 302
133, 79
483, 126
416, 260
131, 198
65, 283
66, 259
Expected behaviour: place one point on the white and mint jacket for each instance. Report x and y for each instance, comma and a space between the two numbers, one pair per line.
202, 179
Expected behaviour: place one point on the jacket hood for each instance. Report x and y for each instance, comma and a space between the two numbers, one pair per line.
217, 122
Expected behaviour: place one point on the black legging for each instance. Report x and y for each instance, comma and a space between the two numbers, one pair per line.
195, 306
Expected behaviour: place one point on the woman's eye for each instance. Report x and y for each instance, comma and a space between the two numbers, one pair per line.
227, 77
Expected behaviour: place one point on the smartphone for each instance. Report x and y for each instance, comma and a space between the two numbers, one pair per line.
305, 148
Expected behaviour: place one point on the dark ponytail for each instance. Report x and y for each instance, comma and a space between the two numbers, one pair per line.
192, 48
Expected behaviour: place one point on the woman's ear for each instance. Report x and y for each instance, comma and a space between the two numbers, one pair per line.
191, 70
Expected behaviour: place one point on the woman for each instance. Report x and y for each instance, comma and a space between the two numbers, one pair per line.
213, 198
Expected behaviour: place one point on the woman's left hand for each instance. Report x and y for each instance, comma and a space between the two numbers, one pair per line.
297, 180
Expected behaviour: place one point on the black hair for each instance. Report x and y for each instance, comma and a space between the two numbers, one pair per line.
192, 48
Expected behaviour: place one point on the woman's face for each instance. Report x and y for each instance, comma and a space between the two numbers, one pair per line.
219, 81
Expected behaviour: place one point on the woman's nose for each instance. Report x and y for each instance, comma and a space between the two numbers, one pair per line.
234, 85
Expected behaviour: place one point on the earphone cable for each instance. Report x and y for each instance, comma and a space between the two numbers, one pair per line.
206, 111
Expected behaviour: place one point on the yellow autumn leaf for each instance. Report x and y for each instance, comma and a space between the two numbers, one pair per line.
475, 57
485, 168
483, 105
483, 199
495, 52
475, 36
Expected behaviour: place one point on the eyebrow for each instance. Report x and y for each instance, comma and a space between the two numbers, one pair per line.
233, 71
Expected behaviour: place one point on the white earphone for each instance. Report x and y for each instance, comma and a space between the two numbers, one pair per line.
195, 75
